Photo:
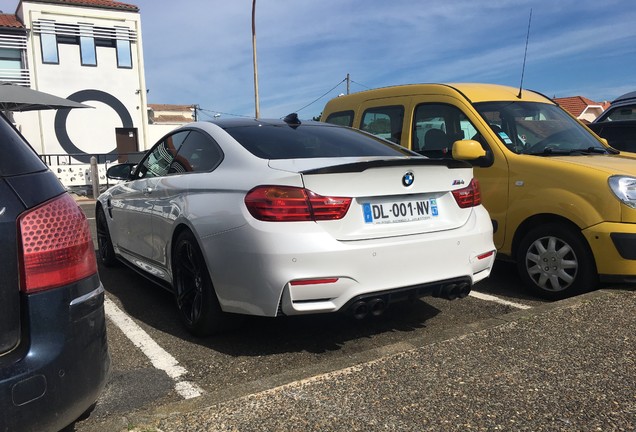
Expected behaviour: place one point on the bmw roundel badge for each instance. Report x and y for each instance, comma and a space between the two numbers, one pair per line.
408, 178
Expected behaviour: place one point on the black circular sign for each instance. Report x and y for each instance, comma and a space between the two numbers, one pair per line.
82, 96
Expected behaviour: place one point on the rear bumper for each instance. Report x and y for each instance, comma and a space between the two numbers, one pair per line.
47, 382
308, 271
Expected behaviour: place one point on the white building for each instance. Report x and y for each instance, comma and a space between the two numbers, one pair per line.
89, 51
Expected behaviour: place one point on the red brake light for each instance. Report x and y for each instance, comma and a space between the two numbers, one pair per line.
293, 204
470, 196
57, 248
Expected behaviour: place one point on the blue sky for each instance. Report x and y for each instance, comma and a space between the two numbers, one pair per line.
200, 51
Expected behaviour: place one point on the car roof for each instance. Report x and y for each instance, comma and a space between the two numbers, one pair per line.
474, 92
626, 98
249, 121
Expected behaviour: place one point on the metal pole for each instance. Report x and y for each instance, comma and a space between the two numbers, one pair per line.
95, 177
256, 103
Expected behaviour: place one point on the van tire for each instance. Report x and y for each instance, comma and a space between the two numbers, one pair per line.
554, 261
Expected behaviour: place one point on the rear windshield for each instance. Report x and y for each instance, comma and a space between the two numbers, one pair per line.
268, 141
17, 156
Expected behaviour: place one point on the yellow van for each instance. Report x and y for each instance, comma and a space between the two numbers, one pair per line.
562, 203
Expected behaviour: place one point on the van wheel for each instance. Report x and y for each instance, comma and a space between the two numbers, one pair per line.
555, 262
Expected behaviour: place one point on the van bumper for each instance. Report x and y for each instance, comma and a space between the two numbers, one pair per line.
614, 249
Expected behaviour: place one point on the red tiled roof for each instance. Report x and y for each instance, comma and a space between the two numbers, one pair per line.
10, 21
172, 119
576, 105
101, 4
169, 107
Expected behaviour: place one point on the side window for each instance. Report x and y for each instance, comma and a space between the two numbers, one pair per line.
198, 153
342, 118
432, 124
385, 122
437, 126
621, 113
160, 159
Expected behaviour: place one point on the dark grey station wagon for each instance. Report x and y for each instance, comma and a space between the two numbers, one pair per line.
54, 357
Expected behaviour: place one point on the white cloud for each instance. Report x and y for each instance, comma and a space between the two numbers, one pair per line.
200, 51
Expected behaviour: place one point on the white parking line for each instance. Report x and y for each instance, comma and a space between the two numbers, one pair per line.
492, 298
159, 358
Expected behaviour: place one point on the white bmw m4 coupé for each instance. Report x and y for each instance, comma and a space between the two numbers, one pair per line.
283, 217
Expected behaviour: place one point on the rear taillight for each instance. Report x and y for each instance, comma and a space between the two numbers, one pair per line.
470, 196
57, 248
293, 204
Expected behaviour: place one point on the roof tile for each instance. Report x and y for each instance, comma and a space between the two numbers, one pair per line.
576, 105
103, 4
10, 21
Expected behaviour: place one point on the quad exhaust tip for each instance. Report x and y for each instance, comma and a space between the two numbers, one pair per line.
376, 306
454, 291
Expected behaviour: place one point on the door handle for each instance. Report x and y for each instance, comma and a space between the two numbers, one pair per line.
146, 191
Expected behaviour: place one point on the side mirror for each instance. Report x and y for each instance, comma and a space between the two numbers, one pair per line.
121, 171
467, 150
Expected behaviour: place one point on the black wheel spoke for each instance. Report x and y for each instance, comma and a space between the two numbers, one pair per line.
189, 287
196, 300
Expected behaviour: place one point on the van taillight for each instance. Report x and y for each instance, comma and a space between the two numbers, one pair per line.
57, 248
470, 196
293, 204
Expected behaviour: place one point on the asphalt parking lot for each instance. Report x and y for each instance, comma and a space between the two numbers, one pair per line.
497, 360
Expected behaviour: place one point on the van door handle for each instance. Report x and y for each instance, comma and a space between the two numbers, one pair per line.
146, 191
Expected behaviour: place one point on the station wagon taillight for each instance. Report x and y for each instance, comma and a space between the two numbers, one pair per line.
56, 245
470, 196
294, 204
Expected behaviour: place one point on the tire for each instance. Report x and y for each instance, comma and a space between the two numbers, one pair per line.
555, 262
106, 252
198, 306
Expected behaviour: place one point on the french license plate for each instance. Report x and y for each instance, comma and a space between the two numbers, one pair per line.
398, 212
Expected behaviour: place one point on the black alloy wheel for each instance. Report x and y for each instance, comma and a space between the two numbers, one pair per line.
105, 248
197, 303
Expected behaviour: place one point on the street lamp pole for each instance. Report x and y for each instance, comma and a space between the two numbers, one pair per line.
256, 103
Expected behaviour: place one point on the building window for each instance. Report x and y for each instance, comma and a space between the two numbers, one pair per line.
10, 58
124, 51
88, 37
87, 46
48, 42
13, 59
